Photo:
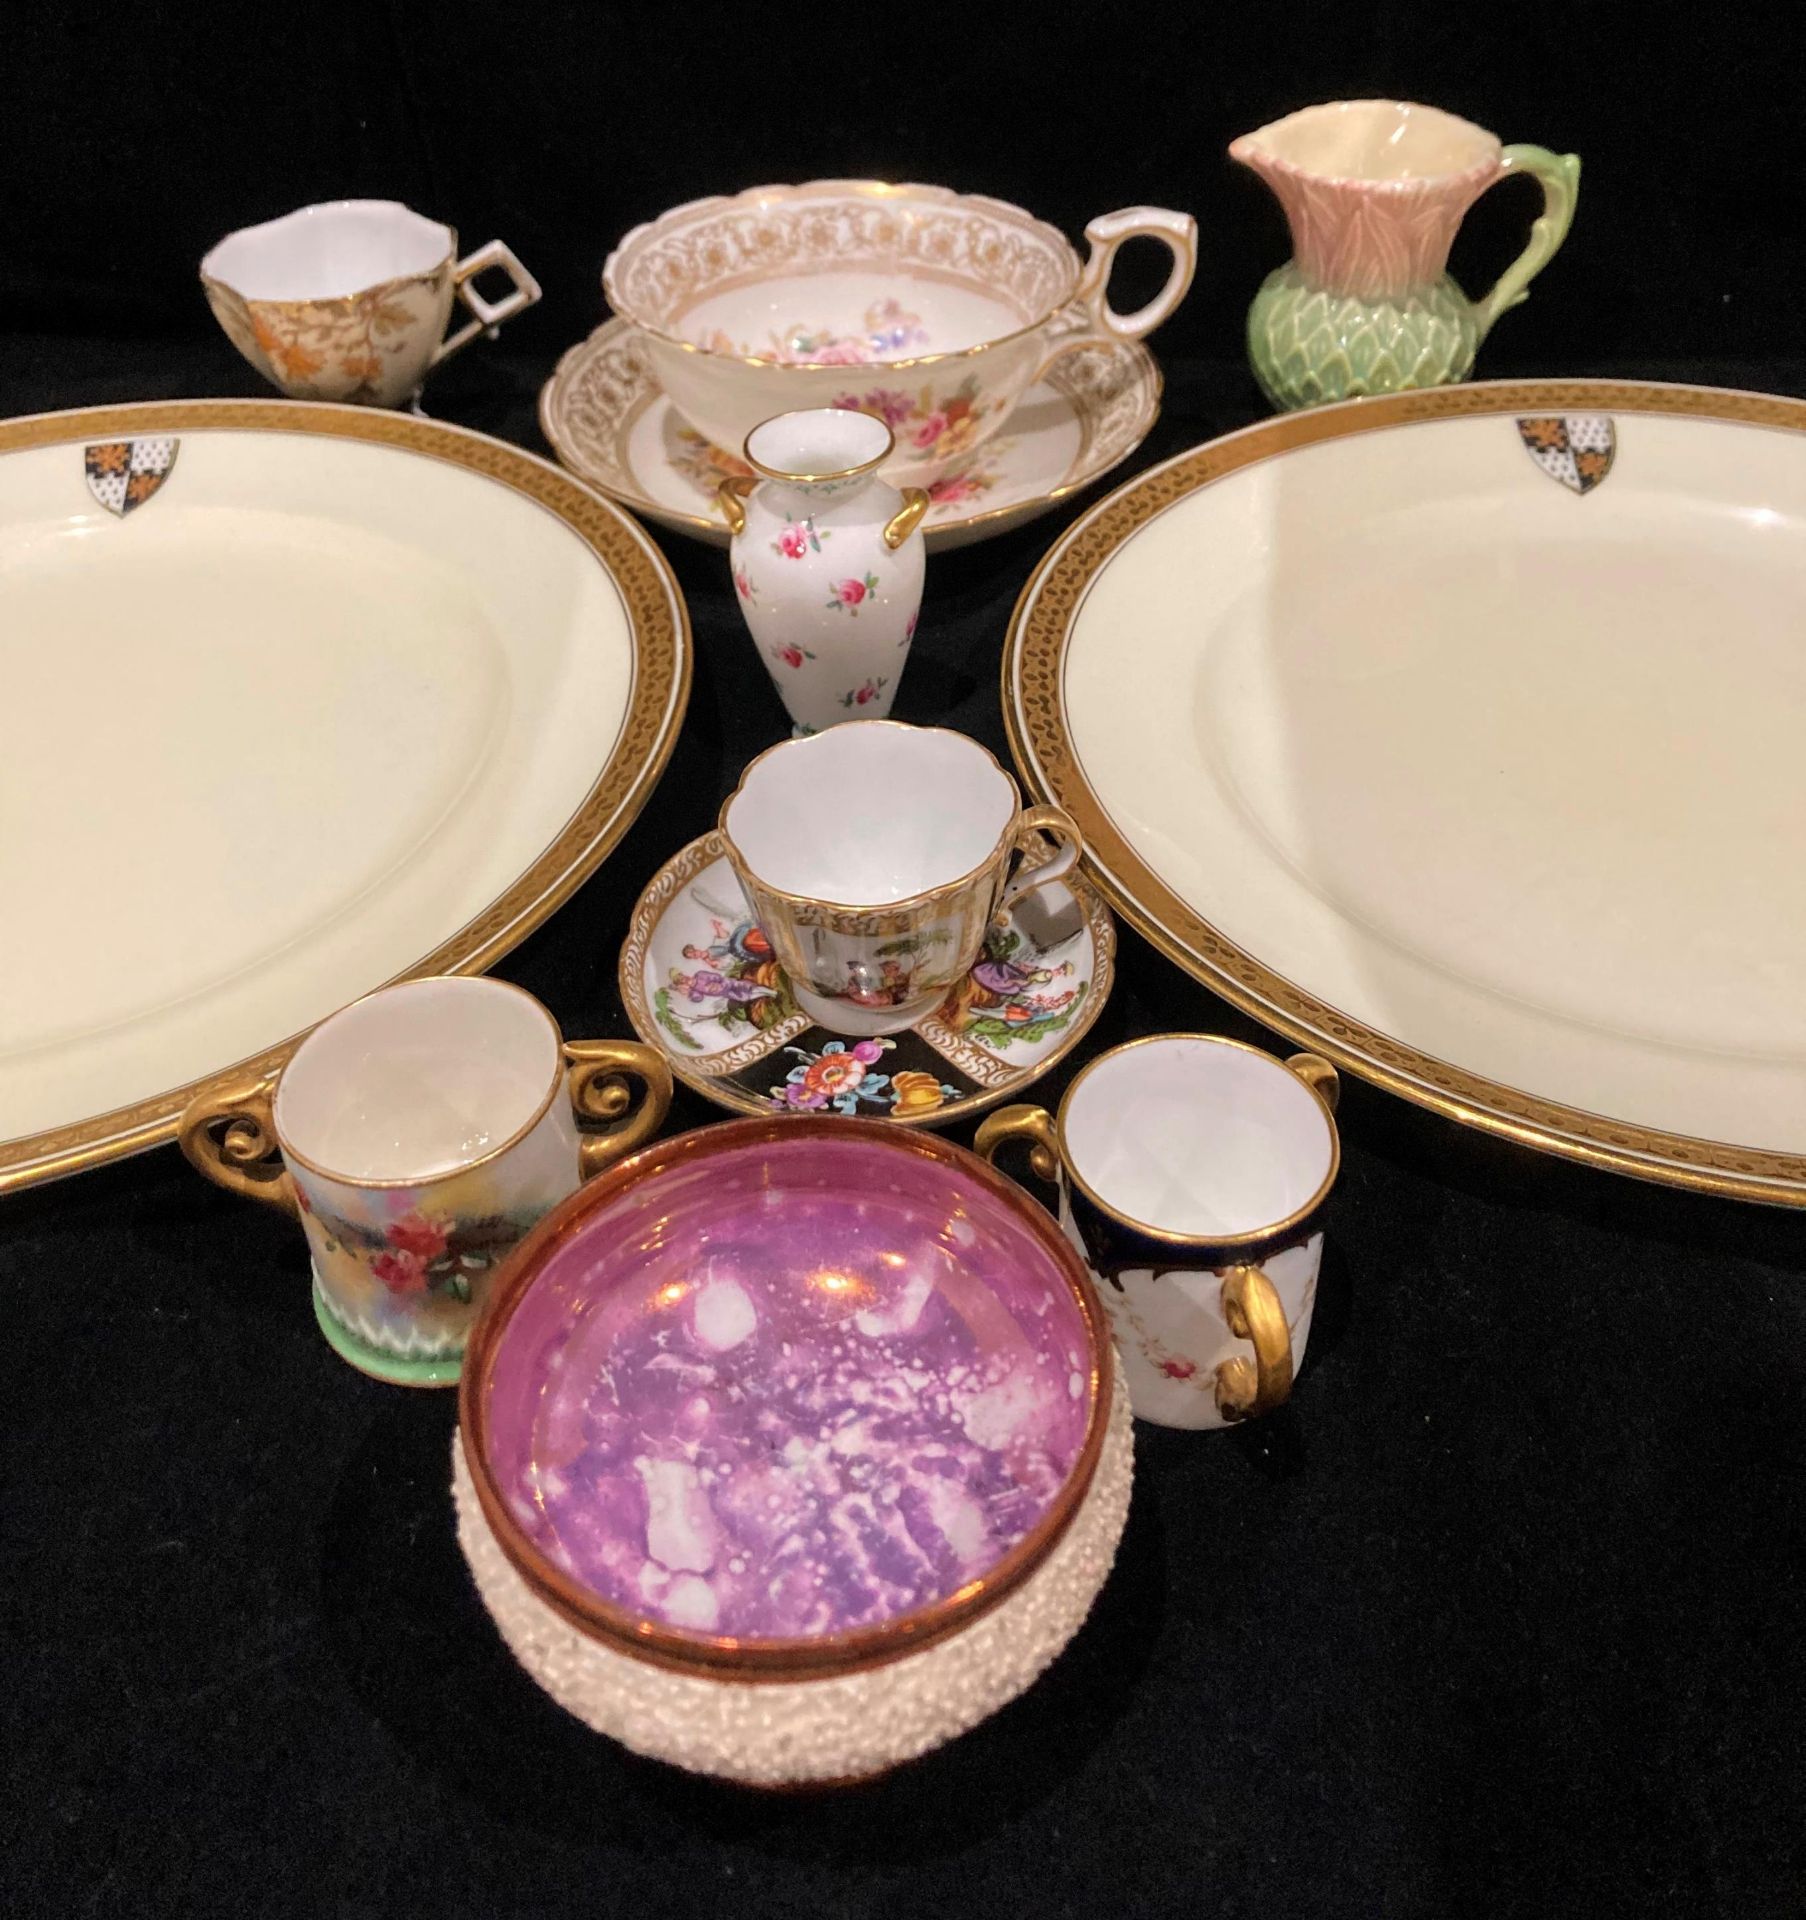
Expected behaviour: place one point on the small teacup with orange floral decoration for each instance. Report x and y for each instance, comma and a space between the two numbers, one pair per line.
417, 1135
349, 300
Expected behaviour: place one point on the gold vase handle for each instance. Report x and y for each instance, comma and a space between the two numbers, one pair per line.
1032, 1126
1248, 1388
909, 516
1032, 823
228, 1132
602, 1073
730, 497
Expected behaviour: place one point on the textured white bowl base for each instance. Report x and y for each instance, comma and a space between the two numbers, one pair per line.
788, 1733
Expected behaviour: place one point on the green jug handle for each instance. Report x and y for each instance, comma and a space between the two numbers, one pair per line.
1559, 176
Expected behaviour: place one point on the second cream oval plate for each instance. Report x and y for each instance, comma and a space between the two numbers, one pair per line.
1457, 735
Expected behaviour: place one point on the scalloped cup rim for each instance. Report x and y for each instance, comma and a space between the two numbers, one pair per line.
674, 217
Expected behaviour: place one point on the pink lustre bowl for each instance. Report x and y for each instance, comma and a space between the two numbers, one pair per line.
791, 1448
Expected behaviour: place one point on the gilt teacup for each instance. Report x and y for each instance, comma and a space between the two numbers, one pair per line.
875, 856
1193, 1173
417, 1136
932, 309
349, 300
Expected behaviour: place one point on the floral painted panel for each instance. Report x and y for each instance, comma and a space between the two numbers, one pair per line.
889, 333
700, 980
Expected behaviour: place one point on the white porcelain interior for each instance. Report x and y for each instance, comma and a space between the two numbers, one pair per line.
418, 1080
769, 317
1378, 140
871, 812
1197, 1136
883, 287
817, 441
330, 251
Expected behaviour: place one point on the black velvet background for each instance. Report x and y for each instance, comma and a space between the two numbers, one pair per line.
1503, 1614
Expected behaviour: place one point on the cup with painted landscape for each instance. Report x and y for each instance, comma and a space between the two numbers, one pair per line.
416, 1136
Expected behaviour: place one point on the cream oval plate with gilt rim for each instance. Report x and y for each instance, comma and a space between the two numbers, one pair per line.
299, 699
699, 982
1457, 735
603, 412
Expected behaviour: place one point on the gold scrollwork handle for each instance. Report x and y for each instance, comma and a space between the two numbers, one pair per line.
1247, 1389
228, 1132
1033, 1126
600, 1082
909, 516
730, 497
1317, 1074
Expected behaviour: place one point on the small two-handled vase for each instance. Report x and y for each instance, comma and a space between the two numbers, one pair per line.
828, 562
1374, 192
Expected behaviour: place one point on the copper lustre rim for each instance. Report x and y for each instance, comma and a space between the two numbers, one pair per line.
723, 1657
1042, 748
659, 626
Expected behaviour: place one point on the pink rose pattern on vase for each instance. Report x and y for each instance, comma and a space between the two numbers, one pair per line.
833, 605
799, 539
743, 584
848, 594
865, 694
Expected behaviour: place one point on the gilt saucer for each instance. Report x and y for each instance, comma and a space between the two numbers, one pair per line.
604, 413
699, 983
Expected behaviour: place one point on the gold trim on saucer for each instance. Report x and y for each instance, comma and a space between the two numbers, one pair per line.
660, 627
612, 363
1042, 745
711, 1075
